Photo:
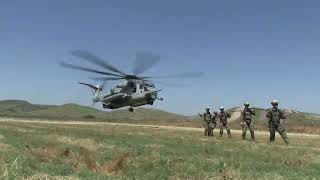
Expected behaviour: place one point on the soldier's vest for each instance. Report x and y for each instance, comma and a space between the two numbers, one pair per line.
223, 117
207, 117
214, 118
275, 116
247, 115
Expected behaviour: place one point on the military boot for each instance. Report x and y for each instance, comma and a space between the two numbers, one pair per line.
209, 132
243, 137
252, 136
221, 133
229, 133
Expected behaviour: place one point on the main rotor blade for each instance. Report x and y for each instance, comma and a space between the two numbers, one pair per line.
88, 56
144, 61
105, 78
89, 85
181, 76
177, 85
71, 66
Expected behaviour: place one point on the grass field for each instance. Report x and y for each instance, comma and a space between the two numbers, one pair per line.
41, 151
298, 122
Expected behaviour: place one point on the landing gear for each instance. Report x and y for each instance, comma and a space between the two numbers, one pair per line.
151, 101
131, 109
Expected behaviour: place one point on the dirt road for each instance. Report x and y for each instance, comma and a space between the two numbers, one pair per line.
135, 125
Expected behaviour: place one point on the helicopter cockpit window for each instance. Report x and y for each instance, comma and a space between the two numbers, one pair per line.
141, 86
149, 85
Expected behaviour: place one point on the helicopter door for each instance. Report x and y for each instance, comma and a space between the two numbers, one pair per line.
139, 91
141, 88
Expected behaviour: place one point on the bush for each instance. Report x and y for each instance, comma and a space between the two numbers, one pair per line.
89, 116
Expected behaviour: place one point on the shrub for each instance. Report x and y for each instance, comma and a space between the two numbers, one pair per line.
89, 116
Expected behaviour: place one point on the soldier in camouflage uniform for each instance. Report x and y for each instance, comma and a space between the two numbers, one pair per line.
276, 122
246, 121
207, 118
223, 118
214, 120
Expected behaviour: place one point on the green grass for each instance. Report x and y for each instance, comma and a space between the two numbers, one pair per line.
152, 154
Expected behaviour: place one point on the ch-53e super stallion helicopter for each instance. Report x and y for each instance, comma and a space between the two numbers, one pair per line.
135, 91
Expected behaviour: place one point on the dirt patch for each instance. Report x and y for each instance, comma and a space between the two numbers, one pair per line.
235, 115
139, 133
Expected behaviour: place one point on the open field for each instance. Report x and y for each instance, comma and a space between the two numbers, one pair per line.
297, 122
31, 150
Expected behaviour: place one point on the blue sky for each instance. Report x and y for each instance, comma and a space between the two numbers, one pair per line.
248, 50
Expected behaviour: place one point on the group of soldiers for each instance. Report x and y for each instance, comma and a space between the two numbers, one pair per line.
211, 121
274, 115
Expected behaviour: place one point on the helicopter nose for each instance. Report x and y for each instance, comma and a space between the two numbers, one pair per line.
154, 95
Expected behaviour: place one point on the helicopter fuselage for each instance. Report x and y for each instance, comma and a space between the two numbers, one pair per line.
132, 94
136, 91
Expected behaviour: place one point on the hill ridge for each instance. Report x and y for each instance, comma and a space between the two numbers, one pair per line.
24, 108
72, 110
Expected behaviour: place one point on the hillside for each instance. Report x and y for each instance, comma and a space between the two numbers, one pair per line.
17, 108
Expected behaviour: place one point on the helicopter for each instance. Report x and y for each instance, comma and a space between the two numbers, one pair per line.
135, 91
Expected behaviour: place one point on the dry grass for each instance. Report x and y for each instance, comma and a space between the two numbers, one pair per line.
84, 142
76, 160
43, 176
154, 146
304, 129
230, 173
116, 166
161, 154
4, 146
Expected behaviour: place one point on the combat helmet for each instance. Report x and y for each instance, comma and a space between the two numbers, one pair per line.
275, 102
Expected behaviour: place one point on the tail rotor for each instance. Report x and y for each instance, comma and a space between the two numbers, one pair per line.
96, 91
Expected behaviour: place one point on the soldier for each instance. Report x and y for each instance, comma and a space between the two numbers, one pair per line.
223, 117
276, 122
246, 121
214, 121
207, 117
